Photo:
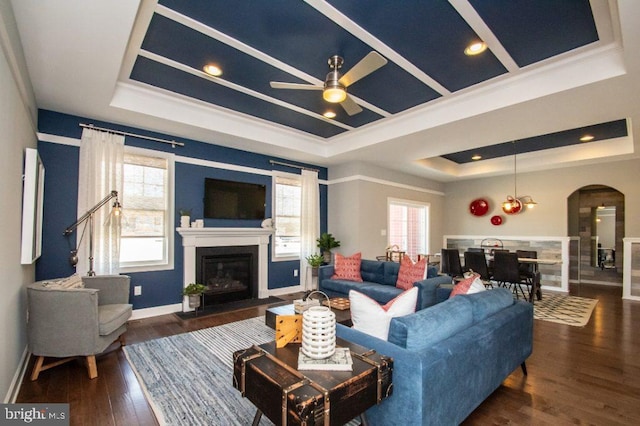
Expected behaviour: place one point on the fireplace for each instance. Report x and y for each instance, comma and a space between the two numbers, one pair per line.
227, 238
229, 273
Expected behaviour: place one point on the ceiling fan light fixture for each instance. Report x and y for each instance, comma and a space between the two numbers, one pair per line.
334, 93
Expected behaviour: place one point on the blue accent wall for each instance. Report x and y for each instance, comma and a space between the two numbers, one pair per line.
161, 287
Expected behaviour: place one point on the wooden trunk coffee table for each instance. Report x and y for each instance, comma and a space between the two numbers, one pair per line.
269, 378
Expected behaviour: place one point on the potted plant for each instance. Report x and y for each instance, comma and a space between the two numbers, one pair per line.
315, 260
326, 242
194, 292
185, 217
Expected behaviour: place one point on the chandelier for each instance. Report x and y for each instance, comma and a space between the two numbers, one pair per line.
513, 204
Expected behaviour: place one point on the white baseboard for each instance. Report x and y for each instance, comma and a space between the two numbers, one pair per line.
285, 290
177, 307
14, 387
155, 311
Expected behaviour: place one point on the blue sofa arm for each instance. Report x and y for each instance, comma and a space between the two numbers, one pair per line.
428, 291
325, 272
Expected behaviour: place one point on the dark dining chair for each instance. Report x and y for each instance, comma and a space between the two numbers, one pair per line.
529, 271
507, 274
476, 249
477, 262
492, 253
450, 263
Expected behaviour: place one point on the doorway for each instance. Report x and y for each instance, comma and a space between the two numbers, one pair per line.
596, 216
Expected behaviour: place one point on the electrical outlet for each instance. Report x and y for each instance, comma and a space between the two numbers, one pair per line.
295, 272
137, 290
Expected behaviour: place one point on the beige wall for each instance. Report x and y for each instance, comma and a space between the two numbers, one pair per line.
358, 203
358, 197
17, 128
550, 189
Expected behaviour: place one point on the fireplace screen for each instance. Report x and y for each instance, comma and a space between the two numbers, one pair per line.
228, 273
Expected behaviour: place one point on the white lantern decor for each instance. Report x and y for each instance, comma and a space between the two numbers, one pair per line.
318, 331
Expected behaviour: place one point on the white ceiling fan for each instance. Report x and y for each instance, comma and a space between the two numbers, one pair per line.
334, 89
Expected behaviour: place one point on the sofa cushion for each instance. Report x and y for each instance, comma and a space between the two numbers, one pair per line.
111, 317
431, 325
391, 270
372, 271
371, 318
347, 267
378, 292
411, 272
489, 302
471, 284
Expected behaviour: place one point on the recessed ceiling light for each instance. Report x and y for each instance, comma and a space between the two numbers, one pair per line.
475, 48
587, 138
213, 70
476, 157
330, 114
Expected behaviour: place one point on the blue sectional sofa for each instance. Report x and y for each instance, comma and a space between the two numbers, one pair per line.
450, 357
379, 283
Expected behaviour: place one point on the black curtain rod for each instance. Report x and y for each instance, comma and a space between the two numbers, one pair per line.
119, 132
295, 166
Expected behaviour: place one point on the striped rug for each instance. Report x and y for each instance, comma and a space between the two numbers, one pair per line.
569, 310
188, 378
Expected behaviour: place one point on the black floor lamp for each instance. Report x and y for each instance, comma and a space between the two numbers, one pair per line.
88, 218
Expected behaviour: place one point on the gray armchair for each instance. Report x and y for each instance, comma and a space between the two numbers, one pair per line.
68, 323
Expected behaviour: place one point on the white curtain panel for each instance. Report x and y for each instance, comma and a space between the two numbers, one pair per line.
101, 171
309, 224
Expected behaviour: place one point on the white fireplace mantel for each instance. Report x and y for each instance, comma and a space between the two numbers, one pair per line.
224, 237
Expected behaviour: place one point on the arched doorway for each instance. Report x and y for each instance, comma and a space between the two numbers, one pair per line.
596, 216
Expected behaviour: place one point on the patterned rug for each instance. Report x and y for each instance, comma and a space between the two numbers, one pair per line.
570, 310
187, 378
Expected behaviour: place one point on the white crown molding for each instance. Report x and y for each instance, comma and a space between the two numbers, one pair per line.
364, 178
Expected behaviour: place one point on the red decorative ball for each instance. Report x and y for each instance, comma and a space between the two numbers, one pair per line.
479, 207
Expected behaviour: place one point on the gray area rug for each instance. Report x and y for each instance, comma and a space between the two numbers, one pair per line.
188, 378
569, 310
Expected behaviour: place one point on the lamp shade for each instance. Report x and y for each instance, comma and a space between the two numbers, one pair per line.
512, 205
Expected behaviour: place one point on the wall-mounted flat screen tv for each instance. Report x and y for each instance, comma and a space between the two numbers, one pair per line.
224, 199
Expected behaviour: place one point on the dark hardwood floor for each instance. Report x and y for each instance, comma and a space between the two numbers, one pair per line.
588, 375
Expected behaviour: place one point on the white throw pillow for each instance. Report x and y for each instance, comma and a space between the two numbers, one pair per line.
476, 286
73, 281
368, 316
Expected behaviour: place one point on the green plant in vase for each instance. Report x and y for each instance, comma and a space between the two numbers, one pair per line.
326, 243
315, 261
194, 292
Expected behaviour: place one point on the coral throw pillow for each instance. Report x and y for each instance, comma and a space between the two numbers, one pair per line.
369, 317
347, 268
470, 285
411, 272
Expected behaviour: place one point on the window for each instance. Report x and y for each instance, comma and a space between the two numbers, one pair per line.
408, 226
146, 242
287, 205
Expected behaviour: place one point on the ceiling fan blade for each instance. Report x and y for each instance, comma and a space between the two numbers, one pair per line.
298, 86
350, 106
366, 66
